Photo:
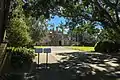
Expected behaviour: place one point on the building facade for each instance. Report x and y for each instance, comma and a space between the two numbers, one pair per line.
55, 38
58, 38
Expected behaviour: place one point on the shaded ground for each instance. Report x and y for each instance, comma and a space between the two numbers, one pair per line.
82, 66
75, 66
53, 57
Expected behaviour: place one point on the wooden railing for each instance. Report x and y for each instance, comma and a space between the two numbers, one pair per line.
3, 55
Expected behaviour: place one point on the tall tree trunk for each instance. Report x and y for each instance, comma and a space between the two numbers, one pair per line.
4, 10
1, 20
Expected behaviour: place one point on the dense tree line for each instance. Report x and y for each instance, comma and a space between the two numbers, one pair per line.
24, 30
104, 13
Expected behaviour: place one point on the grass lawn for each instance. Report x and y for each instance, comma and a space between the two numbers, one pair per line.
39, 46
83, 48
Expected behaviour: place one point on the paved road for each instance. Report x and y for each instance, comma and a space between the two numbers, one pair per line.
53, 56
78, 66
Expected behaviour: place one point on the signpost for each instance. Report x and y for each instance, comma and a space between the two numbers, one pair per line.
41, 50
47, 50
38, 50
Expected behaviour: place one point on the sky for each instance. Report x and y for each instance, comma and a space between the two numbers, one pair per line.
56, 21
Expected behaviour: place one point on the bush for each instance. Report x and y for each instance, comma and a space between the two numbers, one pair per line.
20, 56
107, 46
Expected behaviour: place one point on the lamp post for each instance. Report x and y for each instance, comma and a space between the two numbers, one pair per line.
50, 37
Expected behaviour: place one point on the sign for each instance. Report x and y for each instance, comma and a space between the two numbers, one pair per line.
47, 50
38, 50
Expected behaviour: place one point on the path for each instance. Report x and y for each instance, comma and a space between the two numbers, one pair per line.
68, 64
53, 56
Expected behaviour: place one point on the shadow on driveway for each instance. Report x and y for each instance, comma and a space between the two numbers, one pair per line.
77, 66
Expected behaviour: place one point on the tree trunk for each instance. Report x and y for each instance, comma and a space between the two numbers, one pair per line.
4, 10
1, 20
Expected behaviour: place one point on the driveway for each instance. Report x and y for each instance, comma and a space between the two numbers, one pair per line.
68, 64
53, 57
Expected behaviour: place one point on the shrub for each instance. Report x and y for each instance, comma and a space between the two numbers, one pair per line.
20, 56
97, 46
107, 46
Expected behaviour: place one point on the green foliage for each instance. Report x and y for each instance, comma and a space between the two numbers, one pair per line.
108, 34
98, 47
25, 29
38, 29
103, 35
105, 11
86, 34
17, 33
20, 56
107, 46
86, 27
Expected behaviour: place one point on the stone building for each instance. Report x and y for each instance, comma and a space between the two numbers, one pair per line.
55, 38
58, 38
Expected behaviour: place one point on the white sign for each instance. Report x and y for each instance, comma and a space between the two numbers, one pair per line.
47, 50
38, 50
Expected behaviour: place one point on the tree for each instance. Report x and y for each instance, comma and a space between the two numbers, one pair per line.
38, 30
104, 11
106, 35
62, 27
25, 29
86, 33
4, 11
17, 33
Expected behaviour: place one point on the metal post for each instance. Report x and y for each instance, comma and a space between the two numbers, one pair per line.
46, 60
38, 59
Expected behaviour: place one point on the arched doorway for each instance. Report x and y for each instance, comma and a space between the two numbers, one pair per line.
60, 43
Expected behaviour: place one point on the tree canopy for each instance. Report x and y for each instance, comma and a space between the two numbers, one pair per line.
17, 33
24, 29
103, 11
38, 30
98, 12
